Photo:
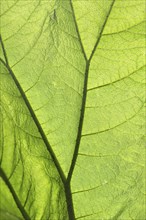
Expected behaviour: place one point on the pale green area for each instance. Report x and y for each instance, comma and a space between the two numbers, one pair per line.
90, 16
44, 52
8, 208
26, 160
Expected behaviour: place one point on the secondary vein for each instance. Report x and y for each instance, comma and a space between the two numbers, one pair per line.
88, 61
80, 124
16, 199
77, 30
34, 117
65, 181
101, 31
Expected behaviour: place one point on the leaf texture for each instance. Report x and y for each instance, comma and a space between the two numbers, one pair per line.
72, 110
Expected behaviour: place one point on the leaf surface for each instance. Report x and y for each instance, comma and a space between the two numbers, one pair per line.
72, 110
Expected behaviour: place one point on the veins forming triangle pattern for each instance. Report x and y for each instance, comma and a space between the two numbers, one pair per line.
80, 126
66, 181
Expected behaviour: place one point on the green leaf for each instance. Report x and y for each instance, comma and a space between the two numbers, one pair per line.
72, 110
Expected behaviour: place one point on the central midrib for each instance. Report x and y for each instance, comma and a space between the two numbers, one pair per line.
88, 61
78, 139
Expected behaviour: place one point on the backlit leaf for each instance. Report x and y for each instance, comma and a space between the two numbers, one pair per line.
72, 110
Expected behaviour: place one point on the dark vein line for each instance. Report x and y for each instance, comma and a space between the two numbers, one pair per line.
116, 126
82, 113
75, 155
67, 186
15, 197
80, 125
127, 30
11, 117
119, 213
69, 201
99, 156
118, 80
77, 30
49, 148
86, 190
101, 31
